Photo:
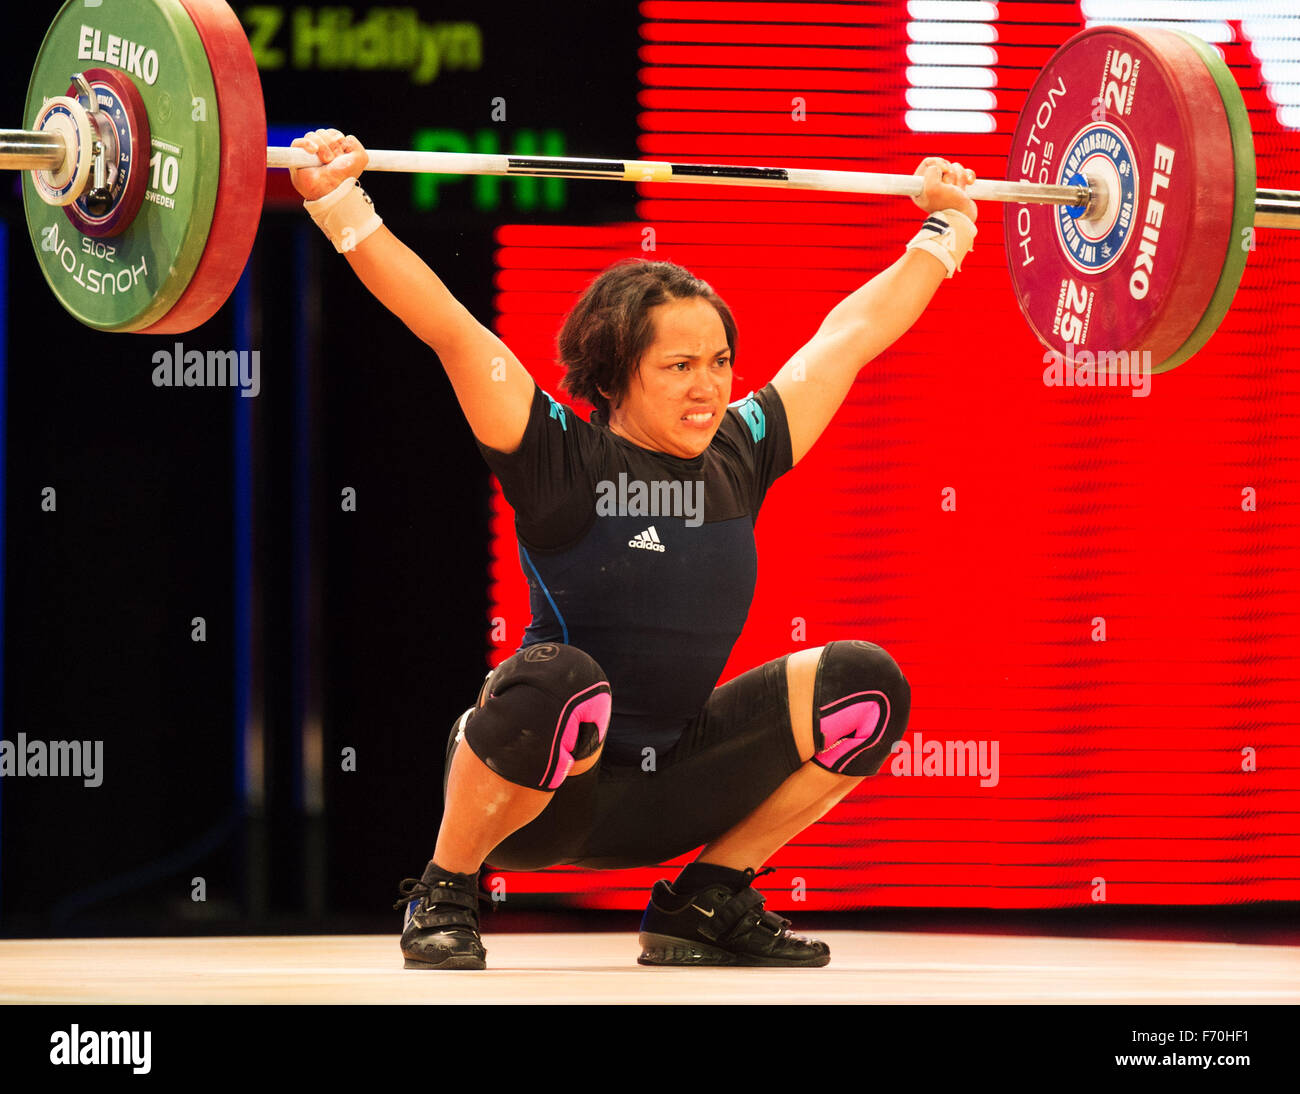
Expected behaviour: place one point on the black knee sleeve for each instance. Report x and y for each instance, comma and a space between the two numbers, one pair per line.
546, 707
861, 700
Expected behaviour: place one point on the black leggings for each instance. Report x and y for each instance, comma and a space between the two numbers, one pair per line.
728, 762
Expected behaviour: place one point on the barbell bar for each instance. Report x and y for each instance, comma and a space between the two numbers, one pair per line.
26, 150
1142, 196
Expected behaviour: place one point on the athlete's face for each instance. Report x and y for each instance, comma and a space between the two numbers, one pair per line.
680, 391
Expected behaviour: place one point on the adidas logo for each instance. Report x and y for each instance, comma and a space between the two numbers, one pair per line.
647, 541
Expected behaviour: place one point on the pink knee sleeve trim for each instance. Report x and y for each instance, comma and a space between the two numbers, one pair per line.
850, 724
592, 705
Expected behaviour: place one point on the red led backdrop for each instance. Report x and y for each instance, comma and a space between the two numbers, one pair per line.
1157, 766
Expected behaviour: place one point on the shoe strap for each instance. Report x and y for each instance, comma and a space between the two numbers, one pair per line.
778, 925
735, 916
425, 917
453, 893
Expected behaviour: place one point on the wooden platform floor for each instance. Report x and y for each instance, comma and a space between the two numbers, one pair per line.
866, 967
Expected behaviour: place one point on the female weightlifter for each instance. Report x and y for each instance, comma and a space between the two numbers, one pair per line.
603, 741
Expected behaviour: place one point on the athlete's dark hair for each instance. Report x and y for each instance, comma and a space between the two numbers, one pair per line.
609, 329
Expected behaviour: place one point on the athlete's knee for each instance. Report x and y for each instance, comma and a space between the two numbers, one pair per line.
861, 701
544, 709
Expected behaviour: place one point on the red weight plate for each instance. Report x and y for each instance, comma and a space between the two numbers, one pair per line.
1141, 110
243, 168
120, 101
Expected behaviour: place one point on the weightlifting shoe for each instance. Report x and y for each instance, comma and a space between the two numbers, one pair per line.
723, 924
441, 926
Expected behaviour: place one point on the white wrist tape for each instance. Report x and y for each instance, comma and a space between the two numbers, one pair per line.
948, 236
346, 215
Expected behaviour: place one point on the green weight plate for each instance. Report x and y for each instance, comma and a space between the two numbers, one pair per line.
132, 280
1243, 214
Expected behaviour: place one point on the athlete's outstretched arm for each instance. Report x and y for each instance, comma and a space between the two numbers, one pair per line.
815, 381
494, 390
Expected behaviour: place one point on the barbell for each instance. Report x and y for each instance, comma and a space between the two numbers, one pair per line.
1135, 203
